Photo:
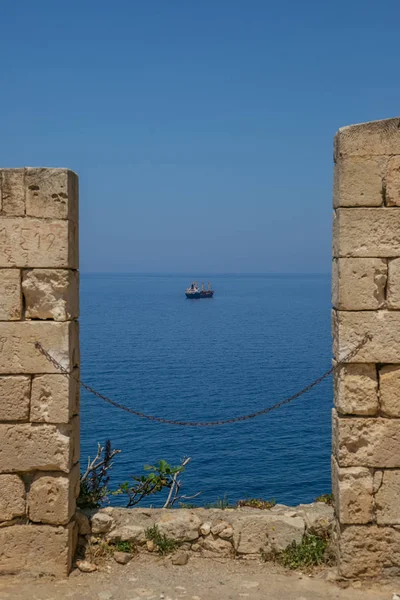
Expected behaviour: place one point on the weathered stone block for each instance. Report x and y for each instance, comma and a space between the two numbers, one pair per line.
75, 430
349, 328
368, 139
37, 549
30, 242
54, 398
267, 531
358, 181
51, 294
387, 498
369, 551
101, 523
12, 497
366, 232
14, 398
52, 497
51, 193
389, 390
366, 442
318, 518
10, 295
12, 192
359, 283
356, 389
215, 545
181, 527
393, 182
17, 346
393, 287
353, 492
82, 522
27, 447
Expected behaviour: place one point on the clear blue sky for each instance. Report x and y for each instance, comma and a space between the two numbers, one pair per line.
201, 130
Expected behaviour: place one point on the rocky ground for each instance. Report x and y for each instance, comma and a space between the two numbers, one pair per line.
154, 578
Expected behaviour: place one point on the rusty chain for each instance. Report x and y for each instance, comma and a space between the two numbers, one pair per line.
264, 411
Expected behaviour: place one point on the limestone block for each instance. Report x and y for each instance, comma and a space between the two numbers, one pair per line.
214, 545
356, 389
318, 517
14, 398
205, 528
17, 346
353, 492
75, 434
27, 447
12, 192
182, 526
83, 523
101, 522
359, 283
389, 390
10, 295
223, 529
12, 497
368, 139
54, 398
369, 550
366, 442
127, 533
52, 497
349, 329
51, 294
393, 182
37, 549
387, 498
267, 531
358, 181
30, 242
393, 287
366, 232
51, 193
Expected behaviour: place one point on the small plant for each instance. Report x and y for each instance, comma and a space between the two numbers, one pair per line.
94, 481
163, 544
160, 476
256, 503
326, 498
221, 503
312, 551
120, 546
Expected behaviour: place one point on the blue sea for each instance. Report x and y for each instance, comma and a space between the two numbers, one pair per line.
259, 340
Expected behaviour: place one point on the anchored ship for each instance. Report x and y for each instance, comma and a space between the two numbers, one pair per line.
193, 292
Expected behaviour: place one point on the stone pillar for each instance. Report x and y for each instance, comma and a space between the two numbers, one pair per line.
366, 299
39, 422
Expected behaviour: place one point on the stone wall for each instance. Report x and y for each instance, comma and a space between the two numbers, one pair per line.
208, 532
39, 423
366, 299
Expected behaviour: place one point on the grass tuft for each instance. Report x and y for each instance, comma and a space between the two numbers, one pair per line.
164, 544
312, 551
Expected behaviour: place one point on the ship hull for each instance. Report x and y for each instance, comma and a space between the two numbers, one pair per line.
206, 294
192, 295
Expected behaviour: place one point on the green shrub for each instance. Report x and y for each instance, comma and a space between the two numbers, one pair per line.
326, 498
312, 551
124, 547
256, 503
163, 544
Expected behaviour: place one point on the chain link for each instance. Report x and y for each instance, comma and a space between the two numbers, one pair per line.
258, 413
